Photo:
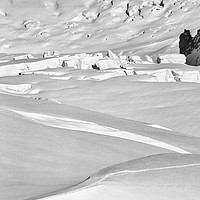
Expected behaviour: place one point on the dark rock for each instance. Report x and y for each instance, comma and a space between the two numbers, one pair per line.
185, 40
194, 44
95, 67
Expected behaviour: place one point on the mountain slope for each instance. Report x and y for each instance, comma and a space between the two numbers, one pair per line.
79, 121
142, 27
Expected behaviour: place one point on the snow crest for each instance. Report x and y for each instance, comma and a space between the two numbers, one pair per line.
79, 125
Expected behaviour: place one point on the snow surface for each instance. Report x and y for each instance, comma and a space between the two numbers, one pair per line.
96, 102
69, 26
78, 125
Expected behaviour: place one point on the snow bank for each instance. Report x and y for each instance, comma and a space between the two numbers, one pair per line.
108, 63
21, 57
112, 64
124, 180
17, 89
13, 69
73, 124
172, 58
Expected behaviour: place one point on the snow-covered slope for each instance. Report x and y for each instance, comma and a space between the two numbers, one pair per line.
55, 131
80, 121
171, 178
142, 27
49, 147
138, 89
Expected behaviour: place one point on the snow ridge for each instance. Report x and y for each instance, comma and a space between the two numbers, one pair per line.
119, 173
79, 125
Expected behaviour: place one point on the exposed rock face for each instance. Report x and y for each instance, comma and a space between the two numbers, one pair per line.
194, 44
194, 58
192, 52
189, 46
185, 41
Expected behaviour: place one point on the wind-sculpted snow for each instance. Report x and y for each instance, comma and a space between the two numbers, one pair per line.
66, 123
113, 178
112, 65
18, 89
68, 26
60, 138
45, 143
159, 127
80, 80
86, 85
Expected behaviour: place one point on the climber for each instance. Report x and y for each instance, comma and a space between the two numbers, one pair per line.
184, 40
